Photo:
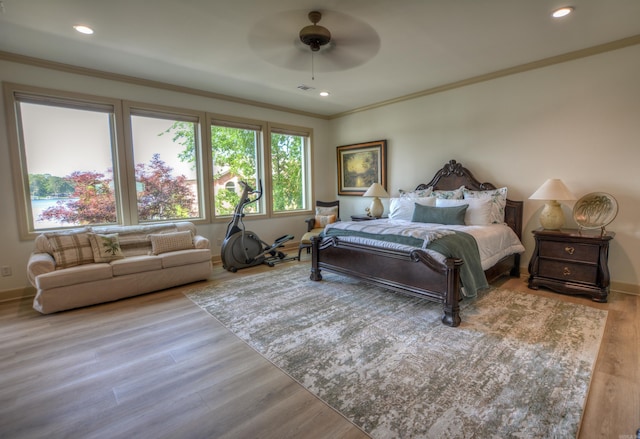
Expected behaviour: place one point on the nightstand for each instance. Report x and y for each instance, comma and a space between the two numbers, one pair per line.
571, 261
363, 218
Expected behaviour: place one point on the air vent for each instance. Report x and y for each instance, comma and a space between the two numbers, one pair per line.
306, 87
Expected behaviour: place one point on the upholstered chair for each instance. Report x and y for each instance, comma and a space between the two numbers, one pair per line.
327, 212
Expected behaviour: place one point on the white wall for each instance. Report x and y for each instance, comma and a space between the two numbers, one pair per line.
14, 253
578, 121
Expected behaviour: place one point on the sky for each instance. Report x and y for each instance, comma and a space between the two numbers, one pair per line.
82, 139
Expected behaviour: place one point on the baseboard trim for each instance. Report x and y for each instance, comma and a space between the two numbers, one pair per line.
621, 287
17, 293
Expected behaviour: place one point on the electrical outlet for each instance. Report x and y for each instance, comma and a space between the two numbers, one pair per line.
6, 271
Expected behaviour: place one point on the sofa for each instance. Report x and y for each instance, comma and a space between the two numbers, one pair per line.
90, 265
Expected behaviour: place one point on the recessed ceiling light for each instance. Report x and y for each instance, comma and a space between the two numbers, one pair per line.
562, 12
83, 29
324, 93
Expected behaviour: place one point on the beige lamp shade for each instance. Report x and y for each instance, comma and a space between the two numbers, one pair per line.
551, 191
376, 209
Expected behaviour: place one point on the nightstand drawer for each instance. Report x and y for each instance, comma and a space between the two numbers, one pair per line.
568, 271
569, 251
571, 261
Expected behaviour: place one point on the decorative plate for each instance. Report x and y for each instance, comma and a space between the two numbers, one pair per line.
595, 210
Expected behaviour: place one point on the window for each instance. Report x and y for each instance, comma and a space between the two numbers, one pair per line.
87, 160
67, 156
236, 153
290, 170
166, 158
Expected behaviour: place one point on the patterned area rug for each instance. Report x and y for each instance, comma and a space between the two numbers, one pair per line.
518, 366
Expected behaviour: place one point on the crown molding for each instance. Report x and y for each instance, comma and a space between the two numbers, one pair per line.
545, 62
68, 68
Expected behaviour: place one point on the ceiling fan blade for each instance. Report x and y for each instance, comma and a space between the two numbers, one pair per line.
275, 40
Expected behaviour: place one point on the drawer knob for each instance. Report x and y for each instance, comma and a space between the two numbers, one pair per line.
569, 250
566, 271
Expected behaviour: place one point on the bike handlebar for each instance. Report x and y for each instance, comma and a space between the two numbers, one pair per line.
249, 190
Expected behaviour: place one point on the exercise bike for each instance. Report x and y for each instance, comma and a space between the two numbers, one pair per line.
242, 248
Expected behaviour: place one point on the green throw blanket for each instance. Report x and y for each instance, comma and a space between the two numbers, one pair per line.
454, 245
464, 246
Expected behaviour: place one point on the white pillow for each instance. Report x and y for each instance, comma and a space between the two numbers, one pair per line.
421, 193
171, 242
498, 199
478, 213
402, 208
455, 194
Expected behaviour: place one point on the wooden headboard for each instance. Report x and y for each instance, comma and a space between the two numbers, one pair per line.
453, 175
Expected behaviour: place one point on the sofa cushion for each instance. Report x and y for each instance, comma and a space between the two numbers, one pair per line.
136, 264
74, 275
185, 257
105, 248
170, 242
70, 248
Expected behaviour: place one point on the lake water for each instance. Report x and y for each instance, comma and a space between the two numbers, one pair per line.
38, 206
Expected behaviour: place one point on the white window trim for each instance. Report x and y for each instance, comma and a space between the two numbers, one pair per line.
292, 130
124, 180
204, 172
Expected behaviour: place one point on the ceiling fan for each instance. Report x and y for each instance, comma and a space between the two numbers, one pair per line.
315, 36
284, 41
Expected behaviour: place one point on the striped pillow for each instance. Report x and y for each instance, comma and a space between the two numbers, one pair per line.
70, 248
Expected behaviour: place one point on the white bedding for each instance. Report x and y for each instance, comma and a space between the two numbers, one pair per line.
495, 241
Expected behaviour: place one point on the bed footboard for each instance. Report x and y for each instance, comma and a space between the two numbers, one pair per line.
412, 272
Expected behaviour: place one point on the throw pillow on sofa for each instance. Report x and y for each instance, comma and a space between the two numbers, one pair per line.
105, 248
170, 242
70, 248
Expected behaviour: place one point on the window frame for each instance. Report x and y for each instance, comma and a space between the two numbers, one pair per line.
131, 108
215, 119
123, 155
307, 133
17, 151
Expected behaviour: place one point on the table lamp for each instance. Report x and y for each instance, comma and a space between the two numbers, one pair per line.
376, 191
551, 191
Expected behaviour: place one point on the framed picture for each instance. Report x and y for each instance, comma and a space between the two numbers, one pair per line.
360, 165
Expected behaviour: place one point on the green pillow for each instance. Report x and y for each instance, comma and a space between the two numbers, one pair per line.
439, 215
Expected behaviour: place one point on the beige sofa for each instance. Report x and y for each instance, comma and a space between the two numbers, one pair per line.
86, 266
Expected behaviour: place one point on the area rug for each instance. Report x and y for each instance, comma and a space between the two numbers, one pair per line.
518, 366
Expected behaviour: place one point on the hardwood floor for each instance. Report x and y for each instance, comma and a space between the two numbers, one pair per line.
156, 366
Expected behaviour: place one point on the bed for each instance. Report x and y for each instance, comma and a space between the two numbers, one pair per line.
417, 270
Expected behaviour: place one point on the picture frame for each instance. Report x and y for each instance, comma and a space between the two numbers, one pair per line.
360, 165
